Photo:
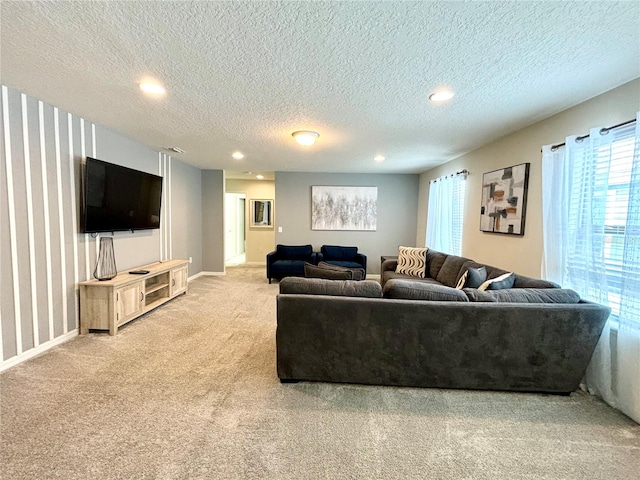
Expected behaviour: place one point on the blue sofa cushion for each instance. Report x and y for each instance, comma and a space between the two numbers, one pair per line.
287, 267
334, 252
295, 252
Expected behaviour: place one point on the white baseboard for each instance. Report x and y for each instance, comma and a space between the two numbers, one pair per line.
211, 274
13, 361
193, 277
256, 264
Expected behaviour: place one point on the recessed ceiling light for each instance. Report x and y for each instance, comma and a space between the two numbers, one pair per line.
305, 137
378, 158
260, 177
237, 155
441, 96
153, 88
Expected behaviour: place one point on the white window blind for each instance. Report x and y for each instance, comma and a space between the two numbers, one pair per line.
597, 218
591, 237
445, 217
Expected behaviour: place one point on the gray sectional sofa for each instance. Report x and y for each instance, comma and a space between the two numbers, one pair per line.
534, 337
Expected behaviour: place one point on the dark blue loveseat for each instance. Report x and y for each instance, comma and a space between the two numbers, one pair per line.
342, 256
289, 260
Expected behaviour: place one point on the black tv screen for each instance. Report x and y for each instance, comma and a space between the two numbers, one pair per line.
119, 198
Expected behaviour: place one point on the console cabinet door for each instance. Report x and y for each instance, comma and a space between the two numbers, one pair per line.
129, 302
179, 280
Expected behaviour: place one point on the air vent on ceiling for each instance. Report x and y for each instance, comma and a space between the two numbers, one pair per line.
174, 149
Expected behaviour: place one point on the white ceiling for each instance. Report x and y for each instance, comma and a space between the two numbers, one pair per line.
244, 75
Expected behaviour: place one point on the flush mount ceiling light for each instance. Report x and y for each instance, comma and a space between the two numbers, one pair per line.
378, 158
305, 137
441, 96
152, 88
237, 155
260, 177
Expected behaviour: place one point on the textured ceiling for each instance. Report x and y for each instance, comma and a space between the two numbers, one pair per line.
244, 75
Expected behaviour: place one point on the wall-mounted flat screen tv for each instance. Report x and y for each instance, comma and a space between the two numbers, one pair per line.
118, 198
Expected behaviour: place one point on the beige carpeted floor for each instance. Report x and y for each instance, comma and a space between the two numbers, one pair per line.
190, 391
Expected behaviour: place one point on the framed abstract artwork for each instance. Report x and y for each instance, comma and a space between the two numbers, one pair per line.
503, 206
344, 208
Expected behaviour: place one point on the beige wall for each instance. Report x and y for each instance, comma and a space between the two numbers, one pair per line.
260, 241
523, 254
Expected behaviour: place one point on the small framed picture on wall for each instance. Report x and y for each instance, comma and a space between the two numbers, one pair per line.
261, 213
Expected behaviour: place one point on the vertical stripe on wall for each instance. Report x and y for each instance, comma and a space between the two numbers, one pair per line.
83, 154
169, 209
74, 220
31, 237
63, 255
160, 232
12, 220
47, 225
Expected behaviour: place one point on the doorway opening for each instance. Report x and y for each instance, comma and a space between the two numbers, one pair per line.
235, 241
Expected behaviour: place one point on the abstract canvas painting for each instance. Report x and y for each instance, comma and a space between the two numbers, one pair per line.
504, 200
344, 208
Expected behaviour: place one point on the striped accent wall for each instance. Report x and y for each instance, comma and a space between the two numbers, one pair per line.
42, 254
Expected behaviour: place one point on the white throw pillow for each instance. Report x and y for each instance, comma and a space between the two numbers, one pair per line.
505, 280
462, 281
412, 261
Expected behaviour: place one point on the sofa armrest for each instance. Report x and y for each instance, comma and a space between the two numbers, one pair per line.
389, 264
271, 257
362, 260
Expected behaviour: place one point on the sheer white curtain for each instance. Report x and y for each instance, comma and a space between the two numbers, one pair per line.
445, 214
591, 238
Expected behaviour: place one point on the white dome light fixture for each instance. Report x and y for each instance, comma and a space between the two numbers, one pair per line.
305, 137
378, 158
237, 155
441, 96
152, 88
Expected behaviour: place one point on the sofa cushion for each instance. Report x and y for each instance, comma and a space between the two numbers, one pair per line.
336, 252
521, 281
289, 267
472, 278
499, 283
357, 272
524, 295
391, 274
530, 282
451, 270
321, 286
313, 271
412, 261
416, 290
295, 252
435, 260
344, 264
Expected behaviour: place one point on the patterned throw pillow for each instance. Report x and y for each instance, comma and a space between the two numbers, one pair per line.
412, 261
499, 283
